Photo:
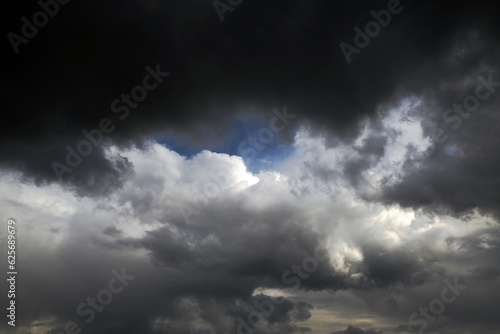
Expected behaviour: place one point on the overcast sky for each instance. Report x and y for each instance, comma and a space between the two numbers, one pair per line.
243, 166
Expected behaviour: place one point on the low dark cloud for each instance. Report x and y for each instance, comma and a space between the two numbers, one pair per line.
356, 330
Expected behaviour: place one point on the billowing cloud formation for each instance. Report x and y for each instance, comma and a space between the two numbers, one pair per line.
246, 244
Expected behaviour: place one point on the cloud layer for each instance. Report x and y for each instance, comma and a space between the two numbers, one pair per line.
202, 274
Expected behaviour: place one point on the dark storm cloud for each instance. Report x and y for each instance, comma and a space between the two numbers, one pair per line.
460, 171
188, 284
221, 264
111, 231
387, 268
417, 266
263, 55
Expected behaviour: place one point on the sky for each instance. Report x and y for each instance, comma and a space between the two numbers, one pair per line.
236, 166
